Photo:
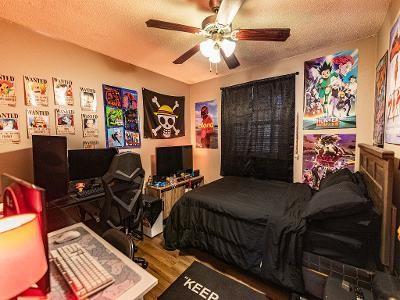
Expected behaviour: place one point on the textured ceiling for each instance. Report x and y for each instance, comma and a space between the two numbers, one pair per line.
117, 28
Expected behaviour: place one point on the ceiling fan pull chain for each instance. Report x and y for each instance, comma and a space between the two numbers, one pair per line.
216, 69
210, 67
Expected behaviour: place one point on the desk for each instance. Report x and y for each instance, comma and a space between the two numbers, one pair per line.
131, 281
73, 200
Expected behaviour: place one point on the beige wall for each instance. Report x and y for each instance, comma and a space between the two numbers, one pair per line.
23, 52
208, 161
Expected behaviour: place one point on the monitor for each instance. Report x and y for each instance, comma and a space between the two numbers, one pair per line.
21, 197
50, 165
173, 160
89, 163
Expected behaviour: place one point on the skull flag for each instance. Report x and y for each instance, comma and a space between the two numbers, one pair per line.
164, 116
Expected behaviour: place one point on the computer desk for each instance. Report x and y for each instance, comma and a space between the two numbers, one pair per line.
134, 282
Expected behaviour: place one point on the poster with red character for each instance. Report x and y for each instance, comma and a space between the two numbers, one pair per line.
206, 124
7, 90
326, 153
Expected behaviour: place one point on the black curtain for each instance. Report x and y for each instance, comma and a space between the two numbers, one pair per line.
257, 129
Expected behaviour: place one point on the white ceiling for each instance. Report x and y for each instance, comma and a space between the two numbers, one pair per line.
117, 28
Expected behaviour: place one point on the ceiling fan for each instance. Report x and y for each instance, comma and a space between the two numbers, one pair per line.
219, 37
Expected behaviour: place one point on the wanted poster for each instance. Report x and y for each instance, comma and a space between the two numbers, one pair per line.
63, 94
90, 144
90, 124
65, 121
7, 90
36, 91
38, 122
88, 99
9, 128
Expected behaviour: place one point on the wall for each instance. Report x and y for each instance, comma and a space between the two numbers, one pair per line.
208, 161
24, 52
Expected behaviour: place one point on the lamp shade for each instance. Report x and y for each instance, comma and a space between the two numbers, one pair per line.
22, 257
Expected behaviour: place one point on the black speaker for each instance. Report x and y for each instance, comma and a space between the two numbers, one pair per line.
50, 165
152, 208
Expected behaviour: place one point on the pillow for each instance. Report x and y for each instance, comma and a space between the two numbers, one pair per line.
341, 199
361, 183
337, 177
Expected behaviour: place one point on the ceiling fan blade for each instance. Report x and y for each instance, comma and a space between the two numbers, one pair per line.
172, 26
266, 34
228, 10
188, 54
231, 61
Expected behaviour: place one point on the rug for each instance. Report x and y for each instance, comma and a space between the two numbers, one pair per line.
200, 282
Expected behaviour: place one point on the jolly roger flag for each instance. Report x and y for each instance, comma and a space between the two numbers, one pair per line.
164, 116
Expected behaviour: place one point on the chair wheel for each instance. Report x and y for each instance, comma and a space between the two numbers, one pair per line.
145, 265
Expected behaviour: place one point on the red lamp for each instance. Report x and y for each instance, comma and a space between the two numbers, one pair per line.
22, 257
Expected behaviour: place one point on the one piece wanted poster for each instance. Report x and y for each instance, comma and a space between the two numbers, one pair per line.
38, 122
9, 128
330, 91
7, 90
65, 121
88, 99
63, 94
90, 144
36, 91
90, 125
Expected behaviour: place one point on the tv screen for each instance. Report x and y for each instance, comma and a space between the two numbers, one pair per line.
173, 160
89, 163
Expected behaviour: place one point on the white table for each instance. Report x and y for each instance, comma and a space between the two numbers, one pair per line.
138, 290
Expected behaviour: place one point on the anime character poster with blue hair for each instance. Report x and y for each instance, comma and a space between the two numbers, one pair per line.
330, 91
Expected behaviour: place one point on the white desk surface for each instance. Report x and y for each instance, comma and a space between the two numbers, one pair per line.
147, 281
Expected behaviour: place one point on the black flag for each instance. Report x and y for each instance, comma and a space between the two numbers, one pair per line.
164, 116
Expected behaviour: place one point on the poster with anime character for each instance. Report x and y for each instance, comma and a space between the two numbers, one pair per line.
120, 107
206, 124
392, 113
7, 90
380, 100
90, 144
326, 153
63, 94
90, 125
88, 99
330, 91
36, 91
65, 121
38, 122
9, 128
115, 137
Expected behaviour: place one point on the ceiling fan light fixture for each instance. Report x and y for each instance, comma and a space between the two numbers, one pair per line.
228, 46
215, 58
207, 47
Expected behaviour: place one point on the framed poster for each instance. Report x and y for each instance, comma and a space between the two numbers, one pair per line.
121, 117
9, 128
206, 115
380, 100
88, 99
7, 90
36, 91
65, 121
392, 110
38, 122
326, 153
330, 91
63, 94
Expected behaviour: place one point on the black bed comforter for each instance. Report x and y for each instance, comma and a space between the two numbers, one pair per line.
255, 224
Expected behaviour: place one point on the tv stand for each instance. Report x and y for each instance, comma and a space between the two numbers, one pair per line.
169, 194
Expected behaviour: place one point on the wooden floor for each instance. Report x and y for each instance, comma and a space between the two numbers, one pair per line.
168, 265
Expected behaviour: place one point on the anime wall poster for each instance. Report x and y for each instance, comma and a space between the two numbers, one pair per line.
380, 100
330, 91
164, 116
38, 122
90, 144
65, 121
88, 99
392, 113
9, 128
36, 91
121, 117
206, 115
63, 94
7, 90
326, 153
90, 125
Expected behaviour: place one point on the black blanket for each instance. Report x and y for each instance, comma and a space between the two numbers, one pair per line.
252, 223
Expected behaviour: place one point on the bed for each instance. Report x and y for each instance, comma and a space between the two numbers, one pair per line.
232, 219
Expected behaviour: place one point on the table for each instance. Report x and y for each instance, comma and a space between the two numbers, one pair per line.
131, 281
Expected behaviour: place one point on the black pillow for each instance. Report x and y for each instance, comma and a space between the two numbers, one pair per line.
337, 177
361, 183
341, 199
